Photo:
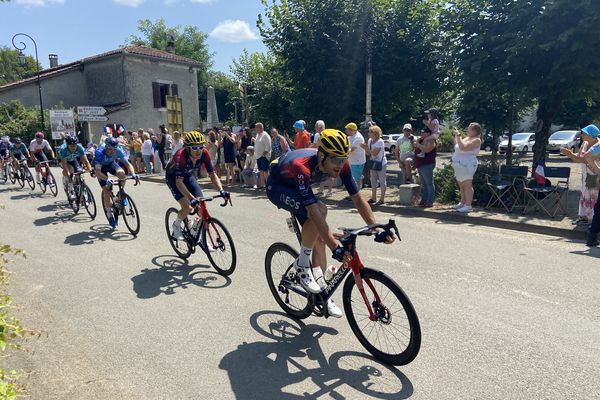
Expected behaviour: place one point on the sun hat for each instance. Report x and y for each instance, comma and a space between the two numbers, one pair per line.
351, 125
407, 126
592, 131
299, 125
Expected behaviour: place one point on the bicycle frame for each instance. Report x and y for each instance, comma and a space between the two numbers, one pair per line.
201, 211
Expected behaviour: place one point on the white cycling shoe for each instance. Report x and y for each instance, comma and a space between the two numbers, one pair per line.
177, 234
306, 278
333, 309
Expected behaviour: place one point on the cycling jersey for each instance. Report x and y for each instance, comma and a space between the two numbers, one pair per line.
22, 149
36, 147
181, 165
297, 169
4, 146
101, 158
65, 153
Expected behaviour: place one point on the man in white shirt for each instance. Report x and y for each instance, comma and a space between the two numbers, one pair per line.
262, 152
357, 155
320, 127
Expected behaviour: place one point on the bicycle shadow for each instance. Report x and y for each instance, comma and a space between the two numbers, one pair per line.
97, 233
57, 205
26, 195
285, 367
61, 217
173, 273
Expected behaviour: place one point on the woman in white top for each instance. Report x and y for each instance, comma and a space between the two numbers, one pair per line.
464, 162
376, 149
147, 152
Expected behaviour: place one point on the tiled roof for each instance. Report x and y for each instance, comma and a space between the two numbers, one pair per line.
142, 51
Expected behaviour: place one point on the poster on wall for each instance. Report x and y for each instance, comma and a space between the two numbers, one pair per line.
61, 122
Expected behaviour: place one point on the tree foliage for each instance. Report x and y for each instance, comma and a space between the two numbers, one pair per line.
18, 120
10, 68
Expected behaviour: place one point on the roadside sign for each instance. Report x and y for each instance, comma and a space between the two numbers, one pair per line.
61, 121
92, 118
91, 110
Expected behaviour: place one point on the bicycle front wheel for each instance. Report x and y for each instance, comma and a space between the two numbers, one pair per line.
219, 246
76, 200
10, 171
51, 182
29, 178
130, 214
114, 209
20, 177
4, 174
89, 202
283, 282
394, 336
43, 184
181, 247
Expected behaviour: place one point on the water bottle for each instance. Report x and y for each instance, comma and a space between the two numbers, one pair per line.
330, 272
195, 226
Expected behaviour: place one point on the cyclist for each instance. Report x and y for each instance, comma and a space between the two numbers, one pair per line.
289, 188
182, 173
4, 146
110, 159
36, 150
18, 152
72, 156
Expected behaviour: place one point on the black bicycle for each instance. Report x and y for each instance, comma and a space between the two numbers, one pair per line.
210, 234
380, 314
123, 205
82, 195
47, 179
6, 171
23, 174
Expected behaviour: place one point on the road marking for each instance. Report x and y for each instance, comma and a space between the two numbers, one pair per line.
533, 296
390, 260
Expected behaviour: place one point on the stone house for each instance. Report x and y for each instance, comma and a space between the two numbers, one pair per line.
140, 87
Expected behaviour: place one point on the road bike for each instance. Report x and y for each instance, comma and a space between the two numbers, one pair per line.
380, 314
23, 174
123, 205
210, 234
80, 194
47, 179
6, 171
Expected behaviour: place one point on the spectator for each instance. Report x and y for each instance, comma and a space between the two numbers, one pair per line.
375, 148
426, 145
464, 162
320, 127
229, 148
357, 157
137, 149
433, 122
262, 151
212, 144
279, 145
177, 141
160, 148
302, 138
249, 171
147, 152
405, 152
168, 145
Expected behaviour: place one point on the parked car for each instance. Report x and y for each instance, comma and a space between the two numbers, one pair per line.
521, 143
569, 139
390, 142
488, 143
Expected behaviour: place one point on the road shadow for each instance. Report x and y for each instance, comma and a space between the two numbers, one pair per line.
293, 361
61, 217
57, 205
97, 233
172, 273
26, 195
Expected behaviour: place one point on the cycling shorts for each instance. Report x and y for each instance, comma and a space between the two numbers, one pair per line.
191, 183
75, 165
40, 156
288, 198
19, 156
111, 168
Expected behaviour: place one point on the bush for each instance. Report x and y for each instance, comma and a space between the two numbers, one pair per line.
446, 141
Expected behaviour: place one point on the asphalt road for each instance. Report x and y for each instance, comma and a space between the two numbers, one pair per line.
504, 315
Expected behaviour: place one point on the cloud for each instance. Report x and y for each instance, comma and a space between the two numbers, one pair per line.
203, 1
38, 3
233, 31
128, 3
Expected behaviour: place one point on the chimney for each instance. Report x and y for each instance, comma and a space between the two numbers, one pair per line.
171, 42
53, 60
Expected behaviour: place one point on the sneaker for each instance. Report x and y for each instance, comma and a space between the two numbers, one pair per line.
255, 187
371, 201
580, 220
306, 278
177, 234
328, 194
333, 309
380, 203
457, 206
465, 209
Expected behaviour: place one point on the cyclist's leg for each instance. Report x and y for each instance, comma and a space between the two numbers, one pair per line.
106, 169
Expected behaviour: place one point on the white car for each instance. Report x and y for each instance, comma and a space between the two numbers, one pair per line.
521, 143
569, 139
390, 142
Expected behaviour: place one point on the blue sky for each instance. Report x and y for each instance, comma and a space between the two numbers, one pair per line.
75, 29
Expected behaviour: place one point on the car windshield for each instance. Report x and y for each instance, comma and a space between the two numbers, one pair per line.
521, 136
562, 135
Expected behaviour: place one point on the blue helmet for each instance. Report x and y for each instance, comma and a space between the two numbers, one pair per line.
111, 142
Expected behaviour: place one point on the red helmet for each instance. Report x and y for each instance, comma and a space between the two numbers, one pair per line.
39, 135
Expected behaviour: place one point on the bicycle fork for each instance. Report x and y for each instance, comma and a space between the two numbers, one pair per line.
356, 265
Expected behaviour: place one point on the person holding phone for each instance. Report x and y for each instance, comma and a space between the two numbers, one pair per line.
464, 163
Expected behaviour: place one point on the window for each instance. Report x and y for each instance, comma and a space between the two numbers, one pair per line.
160, 91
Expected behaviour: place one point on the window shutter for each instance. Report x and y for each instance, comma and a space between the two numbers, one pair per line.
174, 90
156, 94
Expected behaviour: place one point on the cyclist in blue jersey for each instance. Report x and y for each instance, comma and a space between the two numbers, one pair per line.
110, 159
4, 146
182, 174
72, 157
288, 187
18, 152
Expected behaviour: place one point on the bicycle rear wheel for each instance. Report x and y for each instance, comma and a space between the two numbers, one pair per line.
29, 178
395, 336
181, 247
283, 282
88, 201
219, 246
51, 182
130, 214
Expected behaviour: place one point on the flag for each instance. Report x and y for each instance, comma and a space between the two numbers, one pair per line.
108, 130
120, 129
540, 177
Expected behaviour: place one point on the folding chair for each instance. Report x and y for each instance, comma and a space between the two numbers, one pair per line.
549, 198
506, 189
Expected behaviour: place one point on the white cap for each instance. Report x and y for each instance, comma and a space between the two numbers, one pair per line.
407, 126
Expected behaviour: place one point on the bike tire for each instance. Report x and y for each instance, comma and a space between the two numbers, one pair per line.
384, 334
181, 247
114, 209
51, 182
43, 185
29, 177
11, 174
4, 174
130, 214
75, 202
20, 179
279, 263
89, 202
218, 245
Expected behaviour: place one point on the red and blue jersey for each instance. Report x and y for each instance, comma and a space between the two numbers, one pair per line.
181, 165
298, 169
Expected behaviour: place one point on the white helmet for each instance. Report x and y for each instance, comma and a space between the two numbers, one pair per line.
5, 139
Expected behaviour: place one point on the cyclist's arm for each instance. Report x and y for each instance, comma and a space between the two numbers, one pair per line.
63, 164
86, 163
363, 208
317, 217
99, 173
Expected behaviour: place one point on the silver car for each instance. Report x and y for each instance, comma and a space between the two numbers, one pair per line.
390, 142
569, 139
521, 143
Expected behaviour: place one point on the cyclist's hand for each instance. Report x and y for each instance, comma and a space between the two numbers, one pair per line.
135, 176
109, 181
339, 253
224, 193
194, 203
385, 237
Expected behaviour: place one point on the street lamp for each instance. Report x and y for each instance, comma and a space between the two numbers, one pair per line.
21, 46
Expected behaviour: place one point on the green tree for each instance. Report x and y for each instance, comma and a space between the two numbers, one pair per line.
10, 68
18, 120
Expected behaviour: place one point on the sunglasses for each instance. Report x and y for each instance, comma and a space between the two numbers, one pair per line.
196, 148
337, 161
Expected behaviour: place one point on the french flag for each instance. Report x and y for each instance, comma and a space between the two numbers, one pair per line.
108, 130
120, 129
540, 176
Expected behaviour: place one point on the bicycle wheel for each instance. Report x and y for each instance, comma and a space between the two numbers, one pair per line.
395, 337
115, 211
51, 182
181, 247
19, 176
130, 214
283, 282
88, 201
29, 178
3, 175
219, 246
43, 184
10, 171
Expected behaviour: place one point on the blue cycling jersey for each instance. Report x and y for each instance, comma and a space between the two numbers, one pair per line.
101, 158
22, 149
64, 152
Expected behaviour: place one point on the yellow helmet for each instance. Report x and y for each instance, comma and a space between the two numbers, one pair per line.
194, 138
334, 142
